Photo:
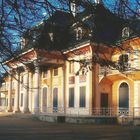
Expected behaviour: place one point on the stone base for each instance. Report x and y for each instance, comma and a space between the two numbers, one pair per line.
80, 120
9, 110
17, 111
136, 121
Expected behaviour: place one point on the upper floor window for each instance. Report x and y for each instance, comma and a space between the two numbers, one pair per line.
45, 74
79, 33
123, 58
125, 32
71, 67
123, 62
55, 72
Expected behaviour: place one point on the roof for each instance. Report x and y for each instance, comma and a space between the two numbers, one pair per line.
105, 27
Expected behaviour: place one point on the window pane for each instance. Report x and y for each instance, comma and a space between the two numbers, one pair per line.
45, 74
44, 97
71, 97
55, 72
82, 96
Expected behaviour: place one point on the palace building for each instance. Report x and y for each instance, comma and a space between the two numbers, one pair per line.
54, 72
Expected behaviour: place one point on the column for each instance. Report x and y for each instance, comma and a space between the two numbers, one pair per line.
36, 88
30, 92
26, 90
9, 107
17, 85
64, 87
50, 105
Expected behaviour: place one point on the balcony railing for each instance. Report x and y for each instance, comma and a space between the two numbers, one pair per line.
107, 70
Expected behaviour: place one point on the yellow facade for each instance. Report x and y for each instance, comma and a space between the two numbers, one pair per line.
62, 86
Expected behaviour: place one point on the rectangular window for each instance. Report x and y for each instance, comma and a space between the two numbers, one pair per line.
71, 97
71, 67
82, 96
45, 74
21, 100
55, 72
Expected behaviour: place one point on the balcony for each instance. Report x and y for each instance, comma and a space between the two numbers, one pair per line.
103, 71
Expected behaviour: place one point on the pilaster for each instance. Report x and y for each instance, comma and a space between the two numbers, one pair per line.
9, 107
36, 88
17, 85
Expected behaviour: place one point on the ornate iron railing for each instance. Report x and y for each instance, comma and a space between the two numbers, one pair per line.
97, 112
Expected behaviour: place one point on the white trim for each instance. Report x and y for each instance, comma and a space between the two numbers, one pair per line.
76, 48
19, 55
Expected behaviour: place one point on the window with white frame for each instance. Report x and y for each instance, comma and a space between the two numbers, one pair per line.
79, 33
55, 72
71, 97
45, 74
82, 96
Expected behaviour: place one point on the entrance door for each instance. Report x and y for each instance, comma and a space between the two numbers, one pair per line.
55, 100
104, 100
124, 96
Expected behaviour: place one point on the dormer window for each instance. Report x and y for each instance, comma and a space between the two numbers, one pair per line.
125, 32
51, 36
45, 74
123, 62
79, 33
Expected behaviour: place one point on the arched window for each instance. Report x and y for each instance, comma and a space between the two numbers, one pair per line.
124, 95
55, 99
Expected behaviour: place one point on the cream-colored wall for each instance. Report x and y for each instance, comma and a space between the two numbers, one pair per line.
50, 83
76, 85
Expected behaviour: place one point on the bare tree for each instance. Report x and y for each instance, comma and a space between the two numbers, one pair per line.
19, 17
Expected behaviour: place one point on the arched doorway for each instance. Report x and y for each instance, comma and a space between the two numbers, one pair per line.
44, 99
55, 99
124, 95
